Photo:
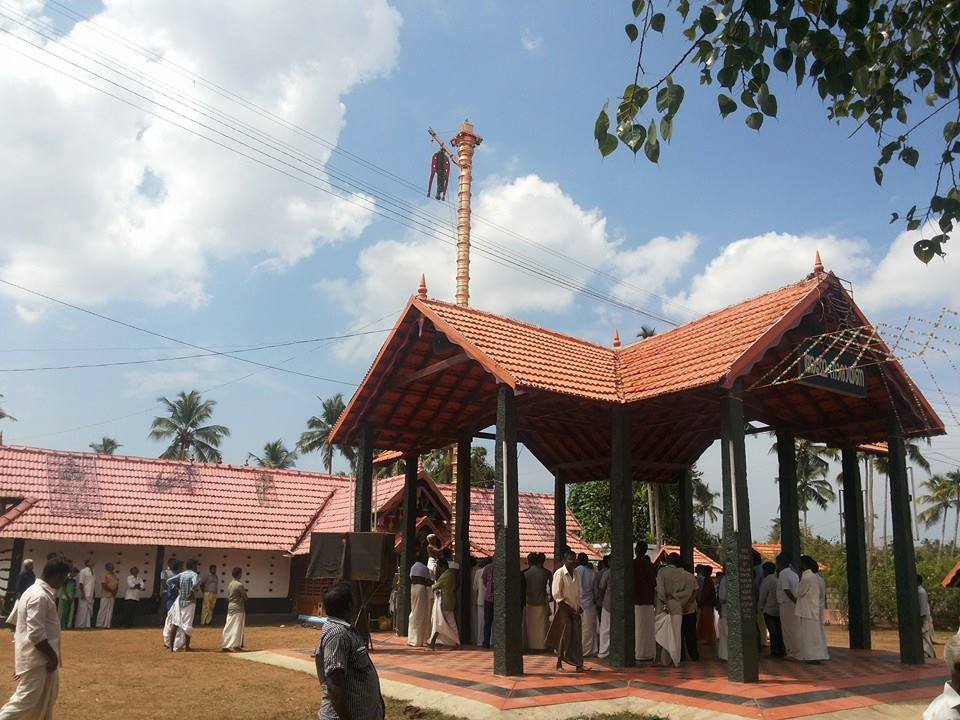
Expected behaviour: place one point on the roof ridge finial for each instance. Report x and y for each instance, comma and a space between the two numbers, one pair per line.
817, 263
616, 339
422, 290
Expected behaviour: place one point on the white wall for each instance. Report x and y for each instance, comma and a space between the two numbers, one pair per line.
266, 574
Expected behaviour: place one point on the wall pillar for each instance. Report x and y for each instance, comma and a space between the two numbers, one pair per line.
408, 547
462, 540
621, 541
363, 492
904, 560
742, 634
559, 516
686, 517
789, 502
507, 626
858, 593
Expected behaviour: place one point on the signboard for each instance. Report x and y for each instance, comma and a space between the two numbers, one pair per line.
832, 374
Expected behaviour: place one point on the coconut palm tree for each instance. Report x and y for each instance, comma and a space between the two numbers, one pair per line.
3, 414
953, 484
939, 500
276, 456
646, 331
813, 464
184, 426
106, 446
881, 463
704, 499
315, 437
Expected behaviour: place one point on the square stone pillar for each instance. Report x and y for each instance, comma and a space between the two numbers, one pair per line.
507, 619
559, 516
858, 592
408, 547
789, 502
742, 634
904, 559
363, 492
621, 541
462, 539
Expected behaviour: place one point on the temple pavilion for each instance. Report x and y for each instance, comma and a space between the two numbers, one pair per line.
802, 361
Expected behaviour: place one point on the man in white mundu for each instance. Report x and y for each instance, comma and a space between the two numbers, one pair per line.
788, 584
587, 579
644, 596
811, 646
421, 603
85, 585
673, 592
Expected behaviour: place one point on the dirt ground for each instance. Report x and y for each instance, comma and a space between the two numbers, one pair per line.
128, 675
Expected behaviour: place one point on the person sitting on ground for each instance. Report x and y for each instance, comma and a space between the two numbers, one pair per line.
344, 668
945, 706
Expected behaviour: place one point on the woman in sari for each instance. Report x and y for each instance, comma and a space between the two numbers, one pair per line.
68, 592
707, 602
443, 625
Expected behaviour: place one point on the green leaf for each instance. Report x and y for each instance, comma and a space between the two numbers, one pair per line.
746, 97
666, 127
637, 95
657, 22
768, 105
913, 224
754, 120
602, 124
652, 147
675, 95
910, 156
800, 67
783, 59
708, 19
632, 136
925, 251
878, 175
727, 104
727, 77
894, 217
638, 6
631, 31
950, 131
607, 144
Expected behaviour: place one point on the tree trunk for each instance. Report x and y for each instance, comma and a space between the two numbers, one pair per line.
943, 532
886, 504
653, 530
868, 476
956, 522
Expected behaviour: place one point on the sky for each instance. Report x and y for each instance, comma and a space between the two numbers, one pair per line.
111, 201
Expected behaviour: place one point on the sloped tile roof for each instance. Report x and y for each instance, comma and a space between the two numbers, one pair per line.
702, 352
536, 523
533, 356
134, 500
699, 558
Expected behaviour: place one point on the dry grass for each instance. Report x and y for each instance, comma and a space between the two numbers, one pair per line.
128, 674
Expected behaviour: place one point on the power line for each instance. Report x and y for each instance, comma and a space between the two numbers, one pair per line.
190, 357
299, 155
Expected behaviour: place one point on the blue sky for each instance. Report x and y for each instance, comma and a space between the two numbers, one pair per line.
222, 252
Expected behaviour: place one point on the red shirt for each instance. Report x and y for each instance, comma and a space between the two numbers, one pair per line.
644, 581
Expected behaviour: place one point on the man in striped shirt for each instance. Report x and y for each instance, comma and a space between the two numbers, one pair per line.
344, 668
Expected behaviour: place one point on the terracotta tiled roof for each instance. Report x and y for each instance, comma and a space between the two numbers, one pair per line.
879, 448
532, 356
768, 551
536, 523
704, 351
159, 502
699, 558
952, 578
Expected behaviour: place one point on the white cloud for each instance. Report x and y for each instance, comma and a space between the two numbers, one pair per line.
100, 201
532, 208
530, 42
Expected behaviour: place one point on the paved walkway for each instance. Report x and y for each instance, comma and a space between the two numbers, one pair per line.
854, 685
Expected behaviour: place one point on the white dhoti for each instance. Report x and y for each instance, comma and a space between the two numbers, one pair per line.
810, 644
12, 617
668, 635
926, 623
588, 631
477, 624
722, 637
105, 613
418, 627
645, 642
536, 619
604, 634
791, 627
443, 625
180, 618
233, 630
84, 613
34, 697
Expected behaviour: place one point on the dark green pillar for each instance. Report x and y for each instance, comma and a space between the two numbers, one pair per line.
858, 593
408, 548
742, 639
904, 560
462, 540
622, 646
789, 503
559, 515
363, 493
507, 626
686, 517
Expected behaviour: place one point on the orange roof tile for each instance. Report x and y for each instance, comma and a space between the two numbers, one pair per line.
699, 558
